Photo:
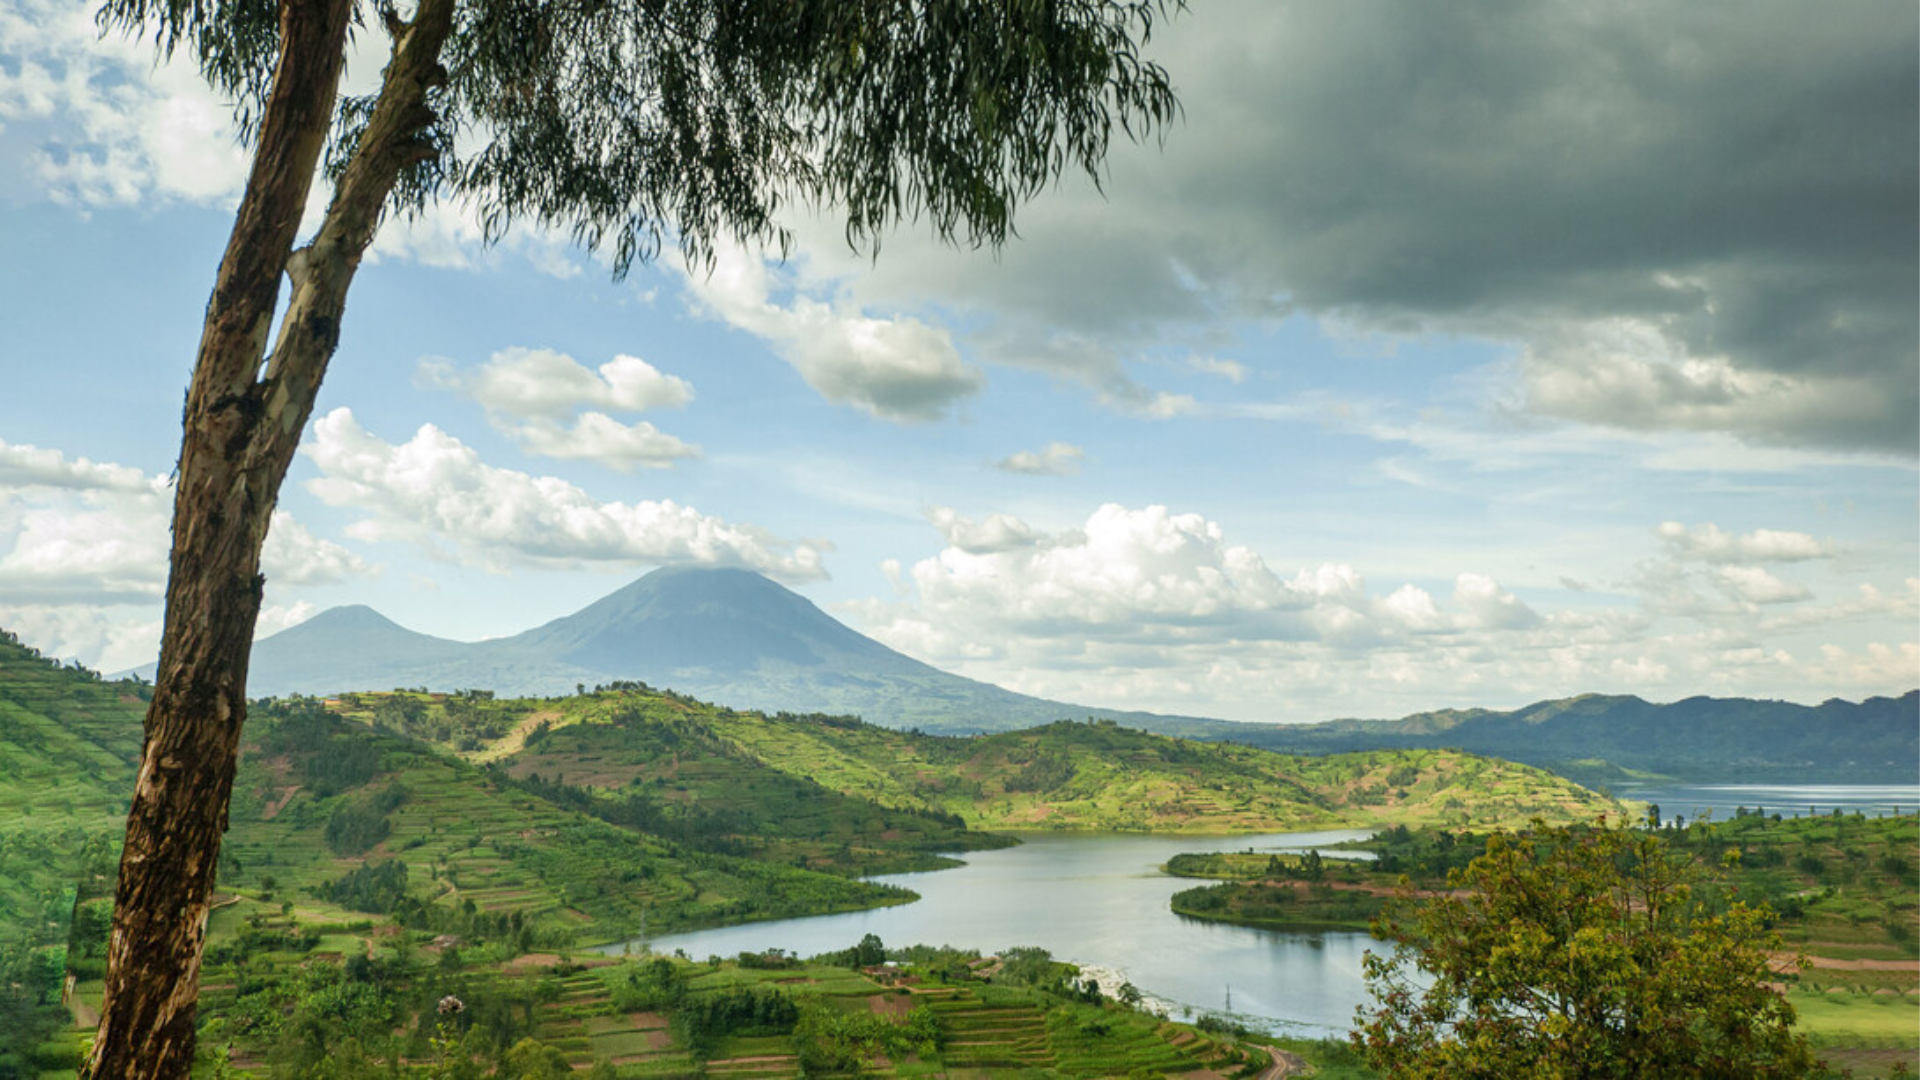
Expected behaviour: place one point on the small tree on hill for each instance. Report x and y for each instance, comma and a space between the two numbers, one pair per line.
630, 123
1594, 952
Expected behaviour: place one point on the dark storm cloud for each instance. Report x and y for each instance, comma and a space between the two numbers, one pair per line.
1736, 180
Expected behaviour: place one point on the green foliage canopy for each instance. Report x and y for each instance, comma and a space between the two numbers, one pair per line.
631, 122
1590, 952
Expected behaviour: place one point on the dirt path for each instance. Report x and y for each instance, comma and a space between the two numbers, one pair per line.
516, 740
279, 803
85, 1016
1835, 963
1284, 1065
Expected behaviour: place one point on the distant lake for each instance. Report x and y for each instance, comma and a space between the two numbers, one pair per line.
1792, 800
1100, 900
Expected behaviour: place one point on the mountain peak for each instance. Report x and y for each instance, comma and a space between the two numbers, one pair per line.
700, 618
720, 633
347, 617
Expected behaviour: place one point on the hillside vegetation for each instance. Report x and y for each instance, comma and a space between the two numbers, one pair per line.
1844, 889
334, 817
683, 757
368, 828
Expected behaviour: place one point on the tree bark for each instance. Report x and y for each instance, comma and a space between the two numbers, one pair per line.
241, 429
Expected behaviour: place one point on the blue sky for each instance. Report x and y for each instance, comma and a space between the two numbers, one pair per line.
1432, 360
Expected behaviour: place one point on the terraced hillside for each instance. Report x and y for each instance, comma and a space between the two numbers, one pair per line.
554, 1015
68, 746
668, 747
321, 797
655, 765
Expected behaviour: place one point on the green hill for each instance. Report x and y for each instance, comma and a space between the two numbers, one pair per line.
334, 817
679, 756
69, 744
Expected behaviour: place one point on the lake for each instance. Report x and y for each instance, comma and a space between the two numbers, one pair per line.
1792, 800
1100, 900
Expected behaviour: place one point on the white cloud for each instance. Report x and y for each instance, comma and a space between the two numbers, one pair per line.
1054, 459
78, 531
999, 532
599, 437
89, 121
1754, 585
63, 552
105, 123
1231, 370
898, 369
1706, 543
1485, 605
549, 385
294, 556
23, 466
530, 393
1125, 575
1413, 608
435, 491
105, 639
1878, 668
1151, 609
1899, 605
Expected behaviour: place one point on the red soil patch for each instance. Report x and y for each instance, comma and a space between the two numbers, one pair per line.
536, 961
889, 1005
1784, 962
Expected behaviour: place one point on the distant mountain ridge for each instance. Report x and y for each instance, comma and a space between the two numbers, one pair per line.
734, 637
1700, 738
730, 636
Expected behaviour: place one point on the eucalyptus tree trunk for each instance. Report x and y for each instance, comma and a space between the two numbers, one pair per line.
242, 426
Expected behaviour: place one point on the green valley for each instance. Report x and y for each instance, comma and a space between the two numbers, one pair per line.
391, 850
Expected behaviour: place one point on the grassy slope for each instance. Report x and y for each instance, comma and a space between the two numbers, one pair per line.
653, 761
1099, 776
1062, 776
68, 744
465, 836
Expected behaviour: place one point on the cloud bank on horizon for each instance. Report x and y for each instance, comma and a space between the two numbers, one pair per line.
1442, 355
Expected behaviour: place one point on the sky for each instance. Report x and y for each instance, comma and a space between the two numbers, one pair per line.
1440, 355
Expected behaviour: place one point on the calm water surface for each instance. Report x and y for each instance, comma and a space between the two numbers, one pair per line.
1099, 899
1792, 800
